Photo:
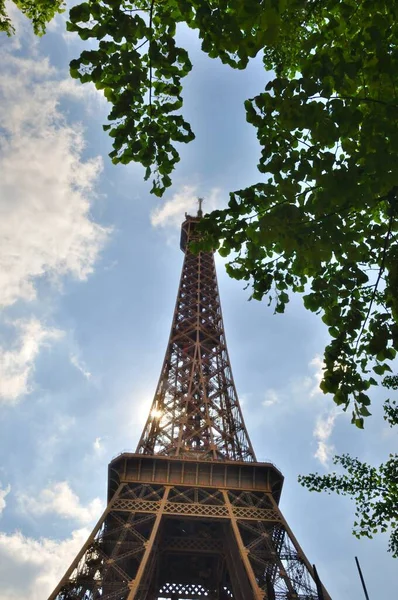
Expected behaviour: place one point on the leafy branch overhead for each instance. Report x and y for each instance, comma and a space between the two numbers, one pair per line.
139, 67
322, 220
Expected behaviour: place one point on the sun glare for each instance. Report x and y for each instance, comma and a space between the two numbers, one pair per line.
156, 413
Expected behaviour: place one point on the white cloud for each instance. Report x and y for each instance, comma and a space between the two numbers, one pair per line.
309, 384
322, 432
3, 493
80, 366
59, 499
295, 393
31, 568
270, 398
46, 188
318, 365
98, 446
171, 214
17, 364
303, 396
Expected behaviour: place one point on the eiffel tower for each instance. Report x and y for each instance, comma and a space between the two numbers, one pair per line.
192, 515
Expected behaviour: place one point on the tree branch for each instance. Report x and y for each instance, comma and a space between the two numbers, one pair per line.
383, 260
150, 60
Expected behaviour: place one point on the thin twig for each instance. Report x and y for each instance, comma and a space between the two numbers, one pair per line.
150, 60
344, 208
142, 44
270, 208
383, 260
354, 98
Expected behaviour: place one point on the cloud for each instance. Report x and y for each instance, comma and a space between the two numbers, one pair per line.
59, 499
324, 426
98, 446
302, 396
17, 364
3, 493
325, 422
297, 392
171, 214
80, 366
46, 189
318, 365
31, 568
270, 398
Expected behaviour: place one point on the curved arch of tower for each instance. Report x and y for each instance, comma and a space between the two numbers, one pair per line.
191, 514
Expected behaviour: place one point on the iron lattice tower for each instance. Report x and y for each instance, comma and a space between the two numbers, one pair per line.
192, 515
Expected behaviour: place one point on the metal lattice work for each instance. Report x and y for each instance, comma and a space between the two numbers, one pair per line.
191, 515
196, 408
188, 542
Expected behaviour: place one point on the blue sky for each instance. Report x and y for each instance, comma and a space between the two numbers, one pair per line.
89, 268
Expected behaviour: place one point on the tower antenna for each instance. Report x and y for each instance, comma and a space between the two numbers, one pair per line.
200, 211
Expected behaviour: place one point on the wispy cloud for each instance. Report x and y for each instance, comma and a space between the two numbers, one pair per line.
270, 397
3, 493
296, 391
301, 396
17, 363
317, 365
325, 421
80, 366
59, 499
99, 447
171, 214
323, 430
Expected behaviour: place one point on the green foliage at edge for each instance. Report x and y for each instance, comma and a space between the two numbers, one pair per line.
40, 12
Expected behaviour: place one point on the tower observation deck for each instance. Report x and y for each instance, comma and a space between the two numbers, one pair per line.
192, 515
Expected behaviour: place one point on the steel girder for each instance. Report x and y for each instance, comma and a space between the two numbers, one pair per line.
186, 542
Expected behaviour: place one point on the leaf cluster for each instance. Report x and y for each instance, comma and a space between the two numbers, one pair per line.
40, 12
139, 67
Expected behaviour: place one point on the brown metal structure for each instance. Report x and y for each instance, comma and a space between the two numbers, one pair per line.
192, 515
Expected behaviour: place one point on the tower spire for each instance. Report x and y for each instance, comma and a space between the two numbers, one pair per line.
200, 212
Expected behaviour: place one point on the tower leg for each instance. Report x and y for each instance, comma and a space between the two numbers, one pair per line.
258, 594
298, 549
86, 546
135, 584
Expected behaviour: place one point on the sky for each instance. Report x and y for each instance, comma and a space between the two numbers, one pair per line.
89, 268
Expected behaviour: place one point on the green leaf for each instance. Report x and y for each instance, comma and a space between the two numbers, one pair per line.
80, 13
364, 412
